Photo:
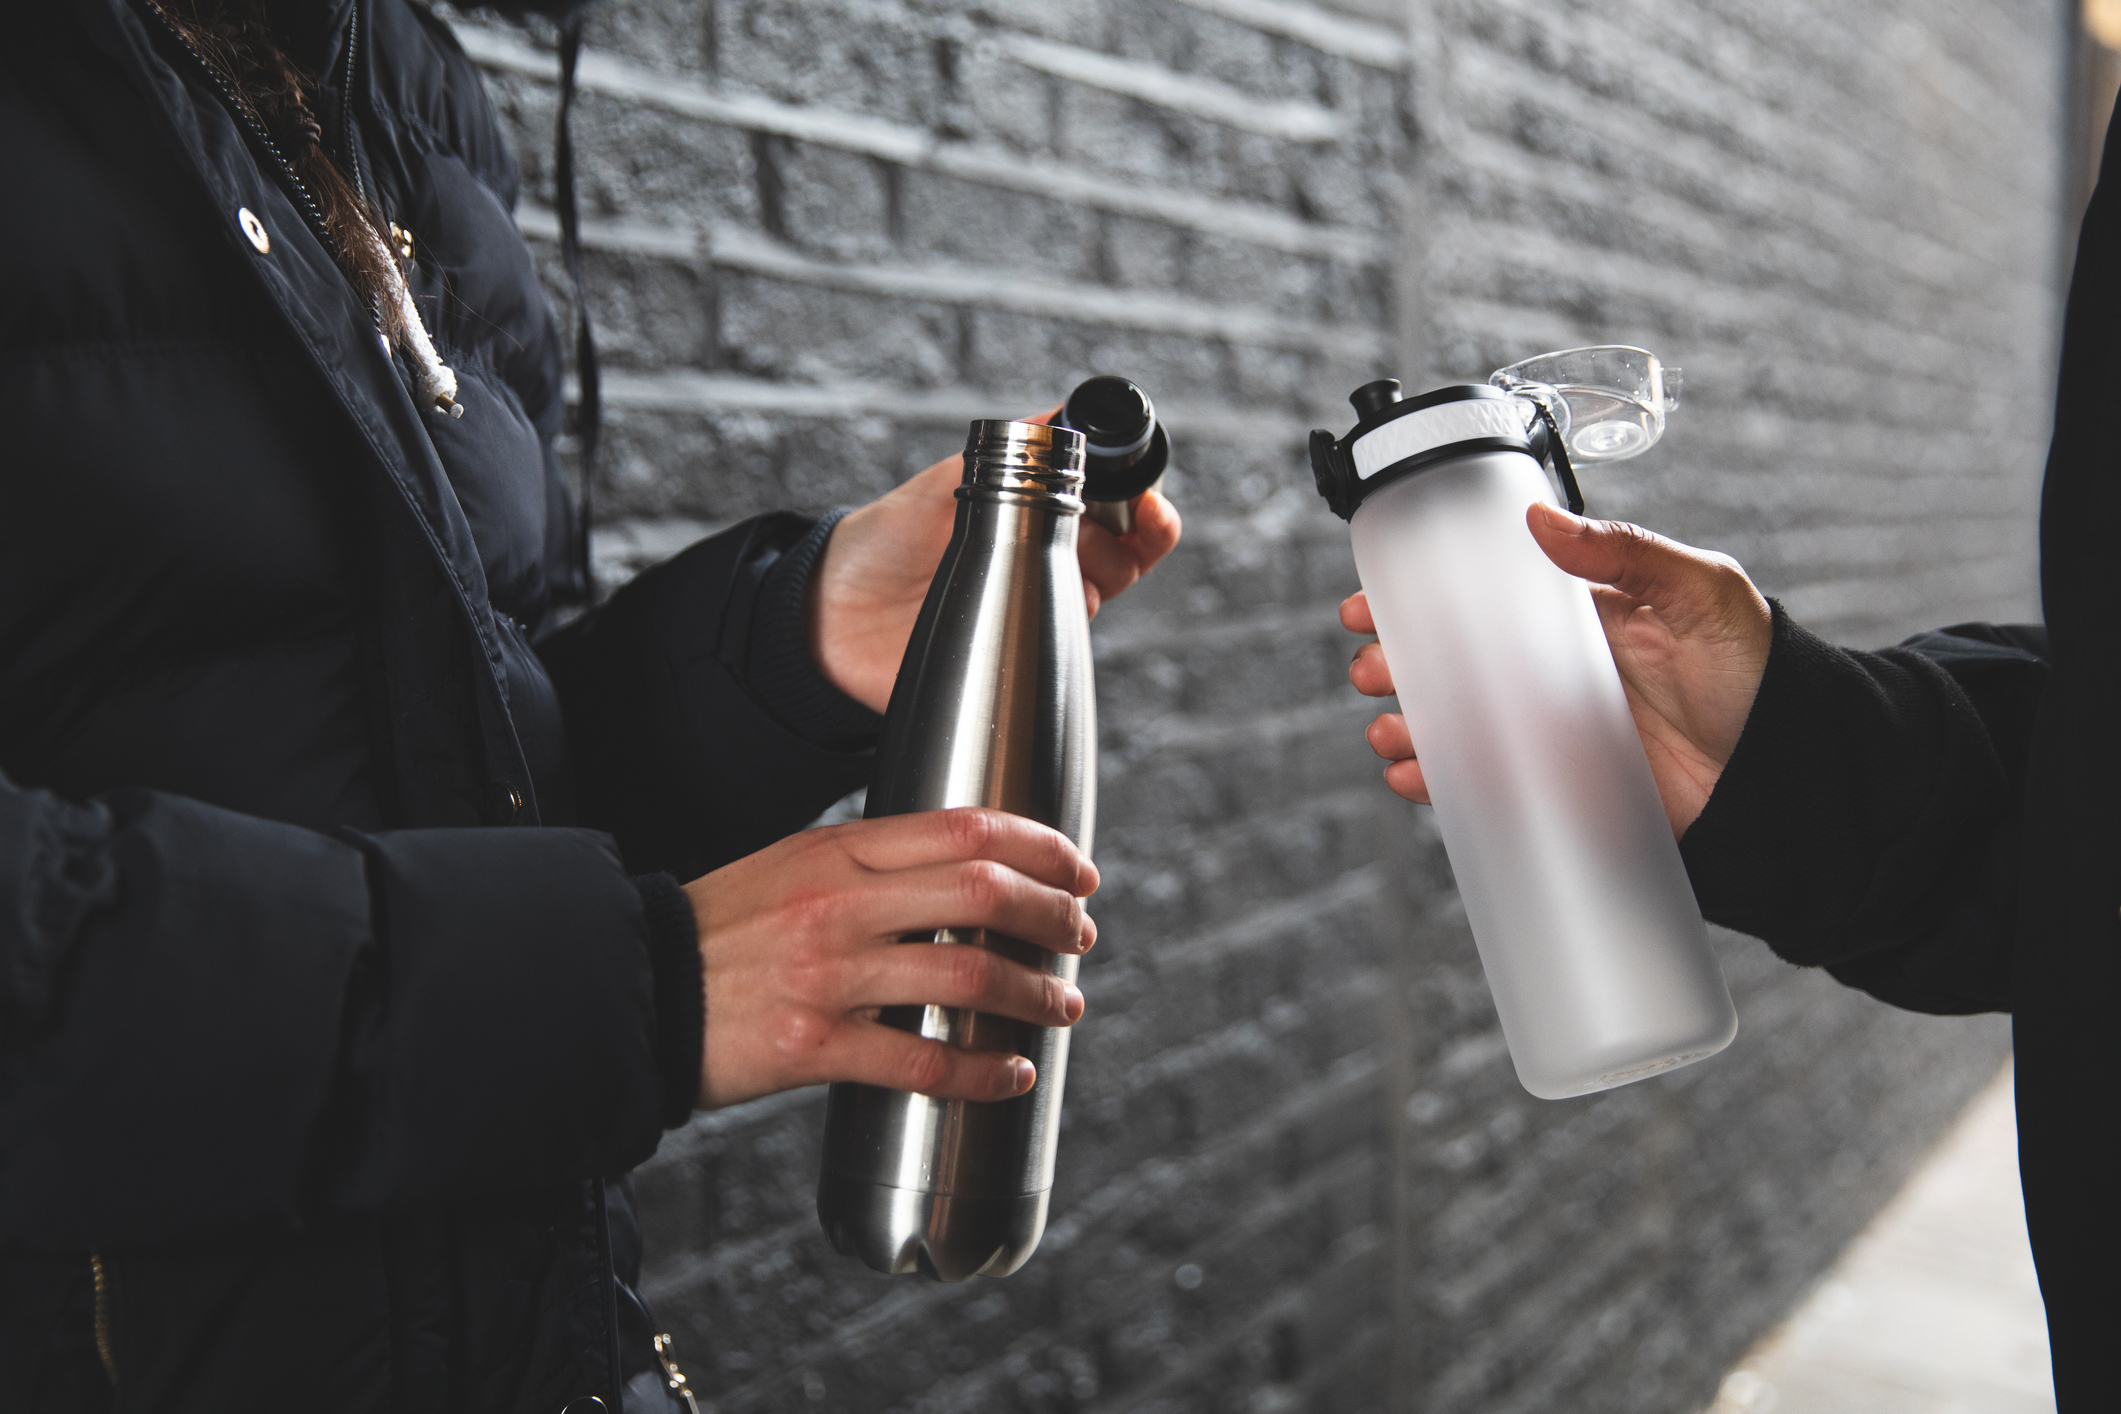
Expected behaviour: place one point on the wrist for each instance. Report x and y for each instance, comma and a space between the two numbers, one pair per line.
820, 612
789, 665
845, 626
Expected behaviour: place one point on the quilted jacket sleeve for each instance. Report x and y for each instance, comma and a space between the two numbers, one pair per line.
211, 1022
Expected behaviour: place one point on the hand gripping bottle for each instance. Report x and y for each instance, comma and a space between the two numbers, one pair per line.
1593, 946
993, 706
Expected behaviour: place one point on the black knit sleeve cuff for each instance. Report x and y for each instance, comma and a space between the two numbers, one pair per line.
1847, 802
680, 994
1748, 852
780, 668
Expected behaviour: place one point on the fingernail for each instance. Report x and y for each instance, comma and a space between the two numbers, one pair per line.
1071, 1002
1566, 521
1021, 1075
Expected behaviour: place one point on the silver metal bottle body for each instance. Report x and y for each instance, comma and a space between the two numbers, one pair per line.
994, 706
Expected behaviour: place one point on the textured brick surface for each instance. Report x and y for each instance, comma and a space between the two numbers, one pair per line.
1297, 1172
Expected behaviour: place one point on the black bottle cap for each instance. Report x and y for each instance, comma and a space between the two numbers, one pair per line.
1379, 403
1126, 448
1374, 397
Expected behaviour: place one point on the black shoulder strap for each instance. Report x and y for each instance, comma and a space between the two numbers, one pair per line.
589, 411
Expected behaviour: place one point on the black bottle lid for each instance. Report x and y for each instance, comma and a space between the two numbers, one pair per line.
1480, 424
1126, 447
1375, 397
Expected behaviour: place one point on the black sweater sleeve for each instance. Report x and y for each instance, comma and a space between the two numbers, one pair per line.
1868, 821
677, 751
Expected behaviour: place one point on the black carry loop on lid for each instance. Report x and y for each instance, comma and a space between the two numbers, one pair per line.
1487, 429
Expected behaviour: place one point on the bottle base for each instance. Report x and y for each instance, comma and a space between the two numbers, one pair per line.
945, 1236
1570, 1087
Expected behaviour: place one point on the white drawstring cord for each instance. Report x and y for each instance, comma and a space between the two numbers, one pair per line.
438, 381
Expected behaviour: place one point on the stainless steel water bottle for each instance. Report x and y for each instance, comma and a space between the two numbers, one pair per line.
1593, 945
1125, 449
993, 706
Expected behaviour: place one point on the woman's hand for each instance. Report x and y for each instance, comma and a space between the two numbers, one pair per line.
799, 945
1689, 633
869, 584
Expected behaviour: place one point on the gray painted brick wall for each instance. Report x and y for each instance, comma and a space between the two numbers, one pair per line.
1297, 1172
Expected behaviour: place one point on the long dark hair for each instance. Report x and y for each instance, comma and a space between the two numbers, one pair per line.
236, 37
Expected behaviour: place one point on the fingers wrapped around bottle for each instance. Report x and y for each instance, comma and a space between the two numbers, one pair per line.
1370, 675
804, 944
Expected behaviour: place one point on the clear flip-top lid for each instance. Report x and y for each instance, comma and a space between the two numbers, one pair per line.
1610, 400
1604, 403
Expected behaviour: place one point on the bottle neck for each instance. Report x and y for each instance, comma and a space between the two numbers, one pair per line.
1024, 463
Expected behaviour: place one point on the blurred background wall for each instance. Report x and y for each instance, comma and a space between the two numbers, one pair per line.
1297, 1171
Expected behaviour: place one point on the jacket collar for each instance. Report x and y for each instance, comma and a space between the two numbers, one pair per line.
313, 31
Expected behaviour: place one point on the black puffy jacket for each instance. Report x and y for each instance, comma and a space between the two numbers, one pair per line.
326, 1035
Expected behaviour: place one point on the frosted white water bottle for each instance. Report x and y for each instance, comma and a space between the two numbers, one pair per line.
1593, 945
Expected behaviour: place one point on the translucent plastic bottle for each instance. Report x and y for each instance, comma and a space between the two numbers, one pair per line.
1593, 946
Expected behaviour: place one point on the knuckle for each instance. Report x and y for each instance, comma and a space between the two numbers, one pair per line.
971, 831
1063, 857
974, 971
985, 885
927, 1069
799, 1033
808, 911
808, 979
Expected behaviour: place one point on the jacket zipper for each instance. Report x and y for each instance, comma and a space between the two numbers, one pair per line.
105, 1349
247, 115
346, 101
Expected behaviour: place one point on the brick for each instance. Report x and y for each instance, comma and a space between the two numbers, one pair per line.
823, 202
873, 58
946, 220
782, 330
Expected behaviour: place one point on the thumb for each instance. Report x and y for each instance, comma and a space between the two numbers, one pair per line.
1639, 563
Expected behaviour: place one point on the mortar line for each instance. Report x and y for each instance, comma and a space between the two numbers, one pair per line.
730, 247
1343, 36
603, 73
689, 390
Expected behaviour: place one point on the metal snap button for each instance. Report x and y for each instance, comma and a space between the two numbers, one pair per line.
505, 803
589, 1404
254, 228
